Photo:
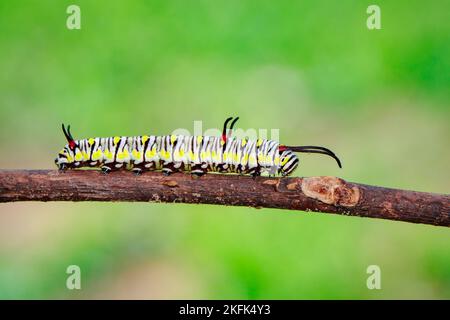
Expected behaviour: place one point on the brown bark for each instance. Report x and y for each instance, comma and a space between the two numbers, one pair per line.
319, 194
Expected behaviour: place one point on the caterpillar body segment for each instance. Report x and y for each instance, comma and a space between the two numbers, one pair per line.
172, 153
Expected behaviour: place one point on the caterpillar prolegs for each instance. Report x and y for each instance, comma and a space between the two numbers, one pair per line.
195, 154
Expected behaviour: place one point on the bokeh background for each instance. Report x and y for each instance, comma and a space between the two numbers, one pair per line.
312, 69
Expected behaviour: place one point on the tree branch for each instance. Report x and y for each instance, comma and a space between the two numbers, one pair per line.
319, 194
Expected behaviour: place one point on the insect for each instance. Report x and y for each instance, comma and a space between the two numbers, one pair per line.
195, 154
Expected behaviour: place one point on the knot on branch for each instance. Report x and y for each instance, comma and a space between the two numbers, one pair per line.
331, 190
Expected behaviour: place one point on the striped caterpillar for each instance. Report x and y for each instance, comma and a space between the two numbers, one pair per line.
195, 154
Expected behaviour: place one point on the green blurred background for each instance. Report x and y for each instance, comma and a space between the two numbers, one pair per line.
312, 69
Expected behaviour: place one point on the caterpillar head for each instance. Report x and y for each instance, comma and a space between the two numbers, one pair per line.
288, 162
66, 157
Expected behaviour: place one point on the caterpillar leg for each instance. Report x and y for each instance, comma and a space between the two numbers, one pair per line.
138, 168
221, 168
150, 166
197, 174
118, 165
169, 168
106, 169
256, 174
198, 170
93, 164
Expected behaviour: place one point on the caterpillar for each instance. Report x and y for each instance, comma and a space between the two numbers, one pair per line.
195, 154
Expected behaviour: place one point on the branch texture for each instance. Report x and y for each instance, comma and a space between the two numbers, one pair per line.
318, 194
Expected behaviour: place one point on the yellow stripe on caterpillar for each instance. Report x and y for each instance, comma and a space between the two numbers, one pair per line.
259, 142
78, 156
97, 155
